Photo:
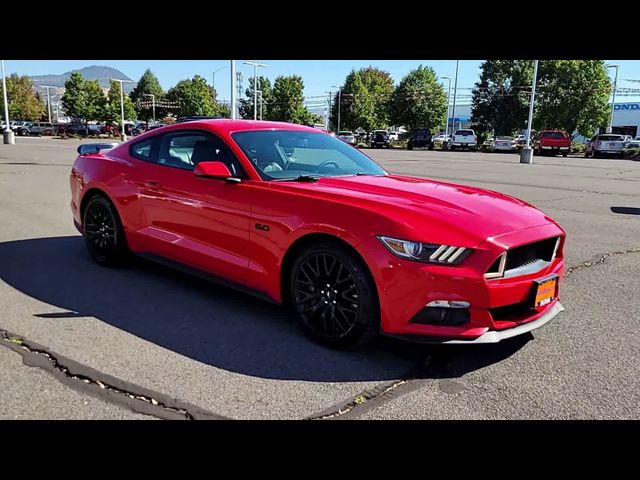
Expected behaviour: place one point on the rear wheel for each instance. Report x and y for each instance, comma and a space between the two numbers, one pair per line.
103, 232
333, 296
595, 153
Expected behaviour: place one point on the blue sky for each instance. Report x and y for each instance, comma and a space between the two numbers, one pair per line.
318, 75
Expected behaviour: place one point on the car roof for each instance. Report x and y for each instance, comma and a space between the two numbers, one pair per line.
226, 125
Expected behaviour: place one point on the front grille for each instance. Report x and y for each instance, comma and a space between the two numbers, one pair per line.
379, 138
531, 253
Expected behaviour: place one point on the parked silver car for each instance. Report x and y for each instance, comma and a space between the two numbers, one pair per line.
348, 137
605, 144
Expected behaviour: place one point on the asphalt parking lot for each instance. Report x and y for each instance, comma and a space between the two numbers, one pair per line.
148, 342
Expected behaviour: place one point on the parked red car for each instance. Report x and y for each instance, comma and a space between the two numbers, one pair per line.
304, 219
552, 142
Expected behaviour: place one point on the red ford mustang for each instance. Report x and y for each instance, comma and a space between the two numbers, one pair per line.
302, 218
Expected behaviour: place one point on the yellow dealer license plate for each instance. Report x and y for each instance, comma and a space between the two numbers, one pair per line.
546, 291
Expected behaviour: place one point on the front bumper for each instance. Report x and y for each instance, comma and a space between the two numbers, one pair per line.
493, 336
498, 307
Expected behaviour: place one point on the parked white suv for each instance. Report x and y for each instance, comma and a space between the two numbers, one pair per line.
464, 138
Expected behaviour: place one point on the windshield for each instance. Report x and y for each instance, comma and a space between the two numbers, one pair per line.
464, 132
610, 138
289, 154
346, 133
553, 135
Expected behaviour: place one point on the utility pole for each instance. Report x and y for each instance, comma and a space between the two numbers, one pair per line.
233, 89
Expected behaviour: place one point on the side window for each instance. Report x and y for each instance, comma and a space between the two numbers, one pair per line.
186, 149
142, 150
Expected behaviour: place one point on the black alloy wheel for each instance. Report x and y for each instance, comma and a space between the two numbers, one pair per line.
103, 232
334, 297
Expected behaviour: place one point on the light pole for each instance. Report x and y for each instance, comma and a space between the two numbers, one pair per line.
48, 87
7, 134
153, 104
339, 104
446, 125
526, 154
213, 82
233, 90
260, 92
255, 85
613, 100
453, 110
123, 136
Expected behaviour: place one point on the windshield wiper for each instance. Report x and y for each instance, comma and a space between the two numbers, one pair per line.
305, 178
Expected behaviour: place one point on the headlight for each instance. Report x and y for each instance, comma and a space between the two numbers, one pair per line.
425, 252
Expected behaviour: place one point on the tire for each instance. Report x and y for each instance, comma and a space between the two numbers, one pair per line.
595, 153
329, 317
409, 146
103, 232
452, 148
431, 146
565, 155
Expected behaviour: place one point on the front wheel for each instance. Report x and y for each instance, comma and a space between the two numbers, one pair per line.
333, 296
103, 232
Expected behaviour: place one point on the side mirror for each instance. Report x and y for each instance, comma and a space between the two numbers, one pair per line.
214, 170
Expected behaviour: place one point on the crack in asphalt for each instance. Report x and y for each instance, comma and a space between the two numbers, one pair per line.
372, 398
102, 386
600, 260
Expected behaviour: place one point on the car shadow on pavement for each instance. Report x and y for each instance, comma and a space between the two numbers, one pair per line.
212, 324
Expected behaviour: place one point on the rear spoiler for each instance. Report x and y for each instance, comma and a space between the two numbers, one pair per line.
90, 148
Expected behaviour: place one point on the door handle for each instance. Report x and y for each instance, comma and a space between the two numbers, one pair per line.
152, 184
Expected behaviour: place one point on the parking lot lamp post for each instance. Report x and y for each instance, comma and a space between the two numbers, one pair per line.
7, 134
233, 89
339, 104
123, 136
613, 100
153, 105
526, 154
255, 86
453, 110
213, 82
260, 93
446, 124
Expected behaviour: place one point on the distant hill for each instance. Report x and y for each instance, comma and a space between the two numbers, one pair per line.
93, 72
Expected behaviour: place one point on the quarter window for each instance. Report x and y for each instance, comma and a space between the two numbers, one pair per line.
142, 150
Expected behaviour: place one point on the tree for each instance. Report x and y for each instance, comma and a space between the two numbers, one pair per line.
112, 112
148, 84
82, 99
500, 99
246, 104
194, 97
24, 103
420, 100
288, 101
572, 95
364, 100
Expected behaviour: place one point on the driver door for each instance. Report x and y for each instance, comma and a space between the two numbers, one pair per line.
201, 222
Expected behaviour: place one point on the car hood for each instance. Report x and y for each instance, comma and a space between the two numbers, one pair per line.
430, 208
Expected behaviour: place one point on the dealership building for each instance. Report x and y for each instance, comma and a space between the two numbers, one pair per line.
626, 119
